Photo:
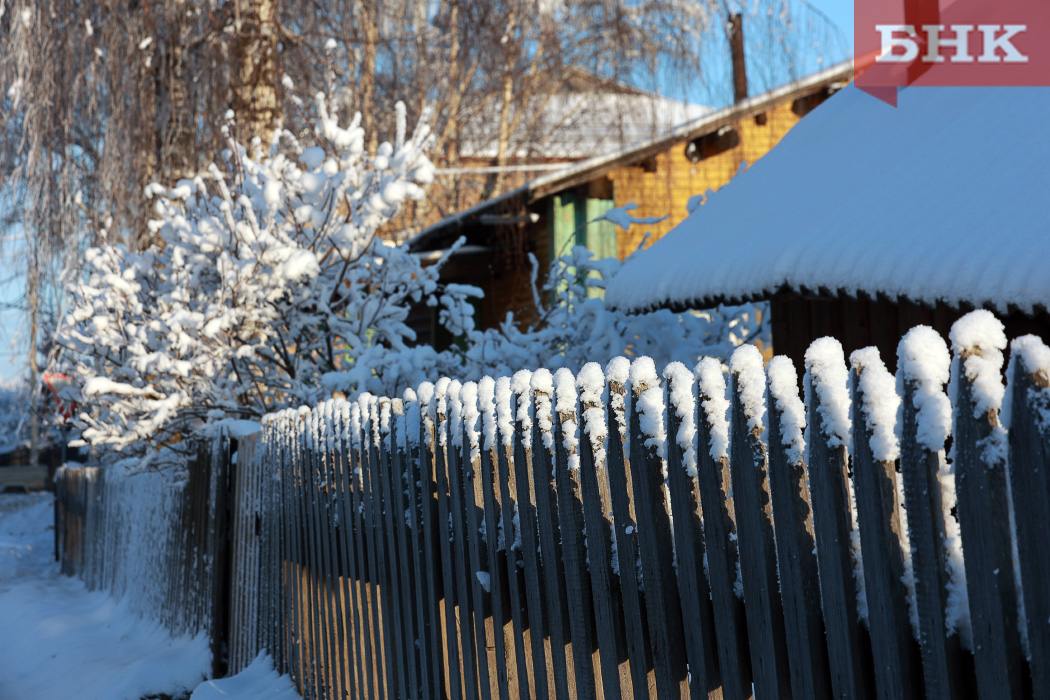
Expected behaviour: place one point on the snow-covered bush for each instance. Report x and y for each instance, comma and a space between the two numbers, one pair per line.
575, 327
266, 287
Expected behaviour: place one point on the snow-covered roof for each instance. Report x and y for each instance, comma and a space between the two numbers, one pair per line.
558, 179
942, 199
576, 125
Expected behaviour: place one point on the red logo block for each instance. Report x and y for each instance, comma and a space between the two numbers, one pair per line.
965, 42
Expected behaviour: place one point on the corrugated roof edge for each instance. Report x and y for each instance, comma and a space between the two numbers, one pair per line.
550, 181
766, 293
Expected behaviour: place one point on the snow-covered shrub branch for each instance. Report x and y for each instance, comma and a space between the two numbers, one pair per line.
266, 286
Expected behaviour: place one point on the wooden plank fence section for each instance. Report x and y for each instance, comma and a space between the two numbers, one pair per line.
1028, 404
894, 652
832, 517
602, 535
793, 526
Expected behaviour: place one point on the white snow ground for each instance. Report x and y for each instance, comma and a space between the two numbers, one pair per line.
60, 640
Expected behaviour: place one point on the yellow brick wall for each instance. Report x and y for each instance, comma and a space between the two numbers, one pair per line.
675, 179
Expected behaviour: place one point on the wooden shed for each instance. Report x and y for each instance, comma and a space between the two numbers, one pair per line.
548, 215
867, 220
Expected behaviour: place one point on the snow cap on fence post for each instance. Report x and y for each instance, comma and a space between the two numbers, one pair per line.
711, 392
376, 419
749, 384
649, 401
879, 402
826, 374
427, 414
471, 417
542, 388
617, 373
343, 411
782, 381
487, 406
455, 412
565, 405
1029, 354
441, 410
504, 410
412, 417
923, 362
590, 381
978, 340
521, 382
682, 400
397, 408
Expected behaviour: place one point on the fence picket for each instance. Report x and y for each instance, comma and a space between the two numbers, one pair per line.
597, 511
526, 499
625, 534
431, 525
464, 575
981, 492
717, 503
662, 612
793, 527
897, 664
444, 532
341, 464
470, 461
576, 582
765, 622
827, 415
509, 671
393, 623
389, 668
687, 531
920, 466
1028, 399
545, 489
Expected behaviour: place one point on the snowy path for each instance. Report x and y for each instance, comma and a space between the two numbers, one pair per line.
59, 640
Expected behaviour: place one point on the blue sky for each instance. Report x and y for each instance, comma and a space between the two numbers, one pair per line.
840, 12
12, 331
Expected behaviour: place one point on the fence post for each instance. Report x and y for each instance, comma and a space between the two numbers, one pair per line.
654, 531
432, 526
829, 427
506, 476
548, 522
576, 580
979, 463
337, 632
526, 499
716, 501
793, 525
509, 663
597, 509
687, 529
625, 534
875, 453
758, 557
1027, 406
922, 369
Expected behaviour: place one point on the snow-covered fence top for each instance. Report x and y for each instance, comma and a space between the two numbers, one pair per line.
633, 529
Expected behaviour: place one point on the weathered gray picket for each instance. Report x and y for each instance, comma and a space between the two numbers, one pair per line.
617, 536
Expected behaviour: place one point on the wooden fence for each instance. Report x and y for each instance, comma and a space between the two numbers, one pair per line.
156, 539
620, 534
